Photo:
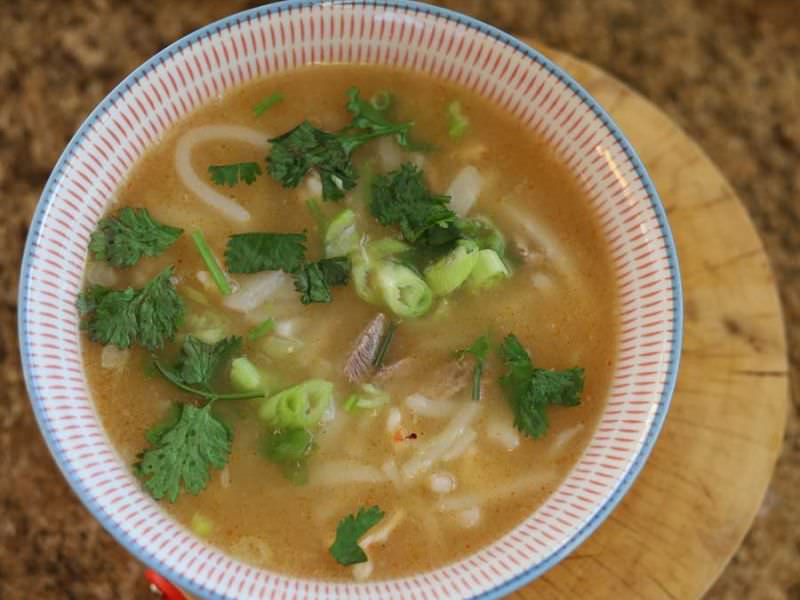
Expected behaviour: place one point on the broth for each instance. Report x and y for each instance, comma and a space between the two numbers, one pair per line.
558, 302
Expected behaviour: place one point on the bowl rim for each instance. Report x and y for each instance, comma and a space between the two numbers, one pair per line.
47, 197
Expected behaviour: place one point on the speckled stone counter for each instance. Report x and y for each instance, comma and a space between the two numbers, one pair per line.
729, 73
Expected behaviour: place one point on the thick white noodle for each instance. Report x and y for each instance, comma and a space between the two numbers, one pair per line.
464, 190
434, 449
495, 493
461, 445
543, 238
382, 533
563, 439
426, 407
183, 164
339, 472
500, 429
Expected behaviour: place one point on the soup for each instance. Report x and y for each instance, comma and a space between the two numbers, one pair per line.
366, 356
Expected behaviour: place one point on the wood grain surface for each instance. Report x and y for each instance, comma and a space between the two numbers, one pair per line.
697, 495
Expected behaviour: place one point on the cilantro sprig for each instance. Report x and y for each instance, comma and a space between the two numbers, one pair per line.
479, 350
345, 548
123, 239
531, 390
233, 173
148, 316
181, 454
197, 366
402, 198
307, 147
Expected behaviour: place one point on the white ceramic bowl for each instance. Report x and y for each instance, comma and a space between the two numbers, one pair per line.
281, 37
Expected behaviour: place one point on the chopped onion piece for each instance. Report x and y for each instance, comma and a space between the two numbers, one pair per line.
256, 289
501, 430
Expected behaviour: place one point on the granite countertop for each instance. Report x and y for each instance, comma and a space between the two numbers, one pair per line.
728, 73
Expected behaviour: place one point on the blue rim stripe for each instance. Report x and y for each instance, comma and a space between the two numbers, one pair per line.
123, 87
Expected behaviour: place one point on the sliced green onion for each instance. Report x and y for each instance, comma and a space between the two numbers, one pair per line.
260, 330
382, 100
341, 235
300, 406
371, 397
489, 269
202, 525
402, 290
267, 103
385, 342
457, 121
351, 403
449, 272
211, 263
194, 295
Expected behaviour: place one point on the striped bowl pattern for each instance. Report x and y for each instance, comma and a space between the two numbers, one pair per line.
278, 38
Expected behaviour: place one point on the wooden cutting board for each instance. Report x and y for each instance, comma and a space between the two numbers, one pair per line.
696, 497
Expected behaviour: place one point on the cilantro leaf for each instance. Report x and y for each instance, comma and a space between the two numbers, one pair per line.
253, 252
479, 349
314, 280
402, 198
200, 361
345, 548
148, 316
184, 453
530, 390
233, 173
267, 103
123, 239
371, 118
307, 147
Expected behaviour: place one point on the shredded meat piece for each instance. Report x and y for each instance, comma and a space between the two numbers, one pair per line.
360, 360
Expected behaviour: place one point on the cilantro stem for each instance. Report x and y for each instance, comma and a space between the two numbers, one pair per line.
476, 379
211, 396
267, 103
387, 339
211, 262
261, 329
319, 217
